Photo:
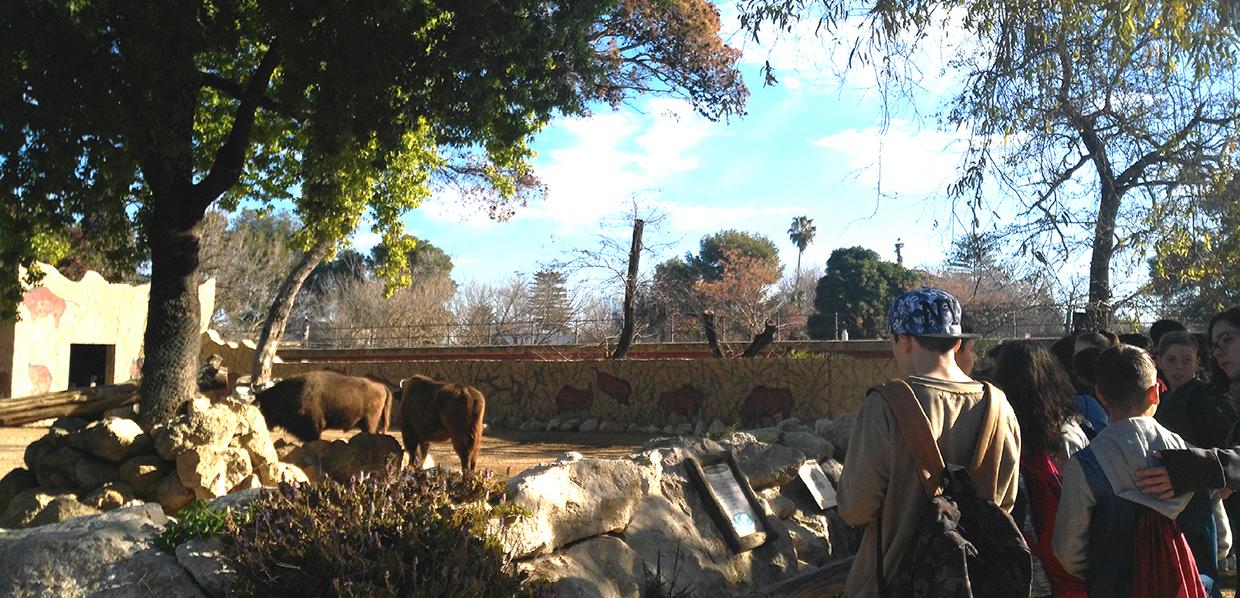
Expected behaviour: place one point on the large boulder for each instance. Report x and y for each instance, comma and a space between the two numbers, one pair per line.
809, 443
55, 468
211, 471
114, 439
24, 507
571, 501
171, 494
312, 457
92, 472
143, 473
273, 474
107, 555
363, 453
837, 431
15, 481
252, 433
767, 465
62, 508
201, 424
204, 559
601, 567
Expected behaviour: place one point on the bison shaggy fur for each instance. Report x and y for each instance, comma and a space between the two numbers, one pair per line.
307, 404
434, 411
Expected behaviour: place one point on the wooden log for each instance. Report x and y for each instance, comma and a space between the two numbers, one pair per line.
78, 401
712, 338
761, 340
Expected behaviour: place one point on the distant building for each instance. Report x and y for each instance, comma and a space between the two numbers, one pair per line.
73, 334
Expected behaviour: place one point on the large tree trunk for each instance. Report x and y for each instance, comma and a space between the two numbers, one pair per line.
796, 282
281, 307
171, 345
712, 337
1098, 310
761, 340
630, 292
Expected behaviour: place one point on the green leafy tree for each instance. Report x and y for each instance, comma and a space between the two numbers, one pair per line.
1081, 111
715, 249
858, 287
1192, 271
150, 114
801, 233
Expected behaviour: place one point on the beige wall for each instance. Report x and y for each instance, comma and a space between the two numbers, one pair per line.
735, 391
61, 312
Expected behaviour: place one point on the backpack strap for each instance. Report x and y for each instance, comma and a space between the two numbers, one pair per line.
984, 467
915, 429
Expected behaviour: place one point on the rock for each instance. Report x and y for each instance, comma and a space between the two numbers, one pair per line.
56, 469
812, 445
767, 435
685, 429
126, 412
204, 559
251, 482
24, 506
572, 501
363, 453
284, 447
91, 472
767, 465
14, 482
273, 474
780, 505
569, 457
669, 429
38, 451
107, 555
532, 425
311, 457
789, 424
211, 471
675, 449
590, 425
237, 500
143, 473
62, 508
113, 439
172, 495
252, 433
699, 429
209, 425
651, 429
109, 496
837, 431
554, 424
65, 426
569, 425
834, 469
812, 547
738, 438
606, 427
602, 567
634, 427
716, 428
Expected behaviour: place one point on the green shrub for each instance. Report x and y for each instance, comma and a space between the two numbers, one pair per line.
397, 533
195, 520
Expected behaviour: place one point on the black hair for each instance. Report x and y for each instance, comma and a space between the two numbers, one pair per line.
1097, 339
1039, 391
1125, 373
1085, 367
1219, 380
1137, 340
1161, 327
936, 344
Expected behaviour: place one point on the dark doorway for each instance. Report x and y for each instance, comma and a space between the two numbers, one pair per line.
89, 365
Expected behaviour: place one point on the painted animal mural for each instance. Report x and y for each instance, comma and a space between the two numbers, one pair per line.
764, 401
686, 401
574, 400
615, 387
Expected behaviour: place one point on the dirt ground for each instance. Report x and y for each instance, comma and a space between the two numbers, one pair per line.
503, 452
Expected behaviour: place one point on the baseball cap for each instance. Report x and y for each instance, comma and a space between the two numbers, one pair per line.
926, 312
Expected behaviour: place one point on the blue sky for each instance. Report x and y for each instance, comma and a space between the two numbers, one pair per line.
813, 145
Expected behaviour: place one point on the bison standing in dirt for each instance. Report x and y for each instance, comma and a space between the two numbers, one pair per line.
433, 411
306, 404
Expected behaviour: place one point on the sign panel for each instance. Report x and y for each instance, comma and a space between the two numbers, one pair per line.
729, 499
819, 485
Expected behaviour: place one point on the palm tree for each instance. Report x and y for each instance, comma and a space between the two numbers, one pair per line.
801, 233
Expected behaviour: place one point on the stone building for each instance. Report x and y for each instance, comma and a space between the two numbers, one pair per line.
71, 334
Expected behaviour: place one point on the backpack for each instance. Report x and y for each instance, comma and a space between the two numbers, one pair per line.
965, 545
1159, 561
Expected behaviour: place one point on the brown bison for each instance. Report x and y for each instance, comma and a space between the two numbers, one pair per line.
307, 404
433, 411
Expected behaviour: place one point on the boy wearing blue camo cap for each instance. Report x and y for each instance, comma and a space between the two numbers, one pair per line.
880, 488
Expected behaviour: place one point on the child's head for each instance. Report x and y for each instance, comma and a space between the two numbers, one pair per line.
924, 323
1178, 359
1127, 381
1085, 366
1095, 340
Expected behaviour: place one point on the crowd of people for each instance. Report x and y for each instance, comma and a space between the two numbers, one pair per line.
1115, 455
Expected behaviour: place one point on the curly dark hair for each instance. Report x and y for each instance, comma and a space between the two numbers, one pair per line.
1039, 391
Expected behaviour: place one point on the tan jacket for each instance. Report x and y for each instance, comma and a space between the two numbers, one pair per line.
879, 478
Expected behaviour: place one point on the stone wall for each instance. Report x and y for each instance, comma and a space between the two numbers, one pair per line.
34, 350
660, 392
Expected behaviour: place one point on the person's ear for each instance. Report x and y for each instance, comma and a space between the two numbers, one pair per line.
1151, 395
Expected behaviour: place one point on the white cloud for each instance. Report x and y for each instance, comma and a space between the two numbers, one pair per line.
901, 160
